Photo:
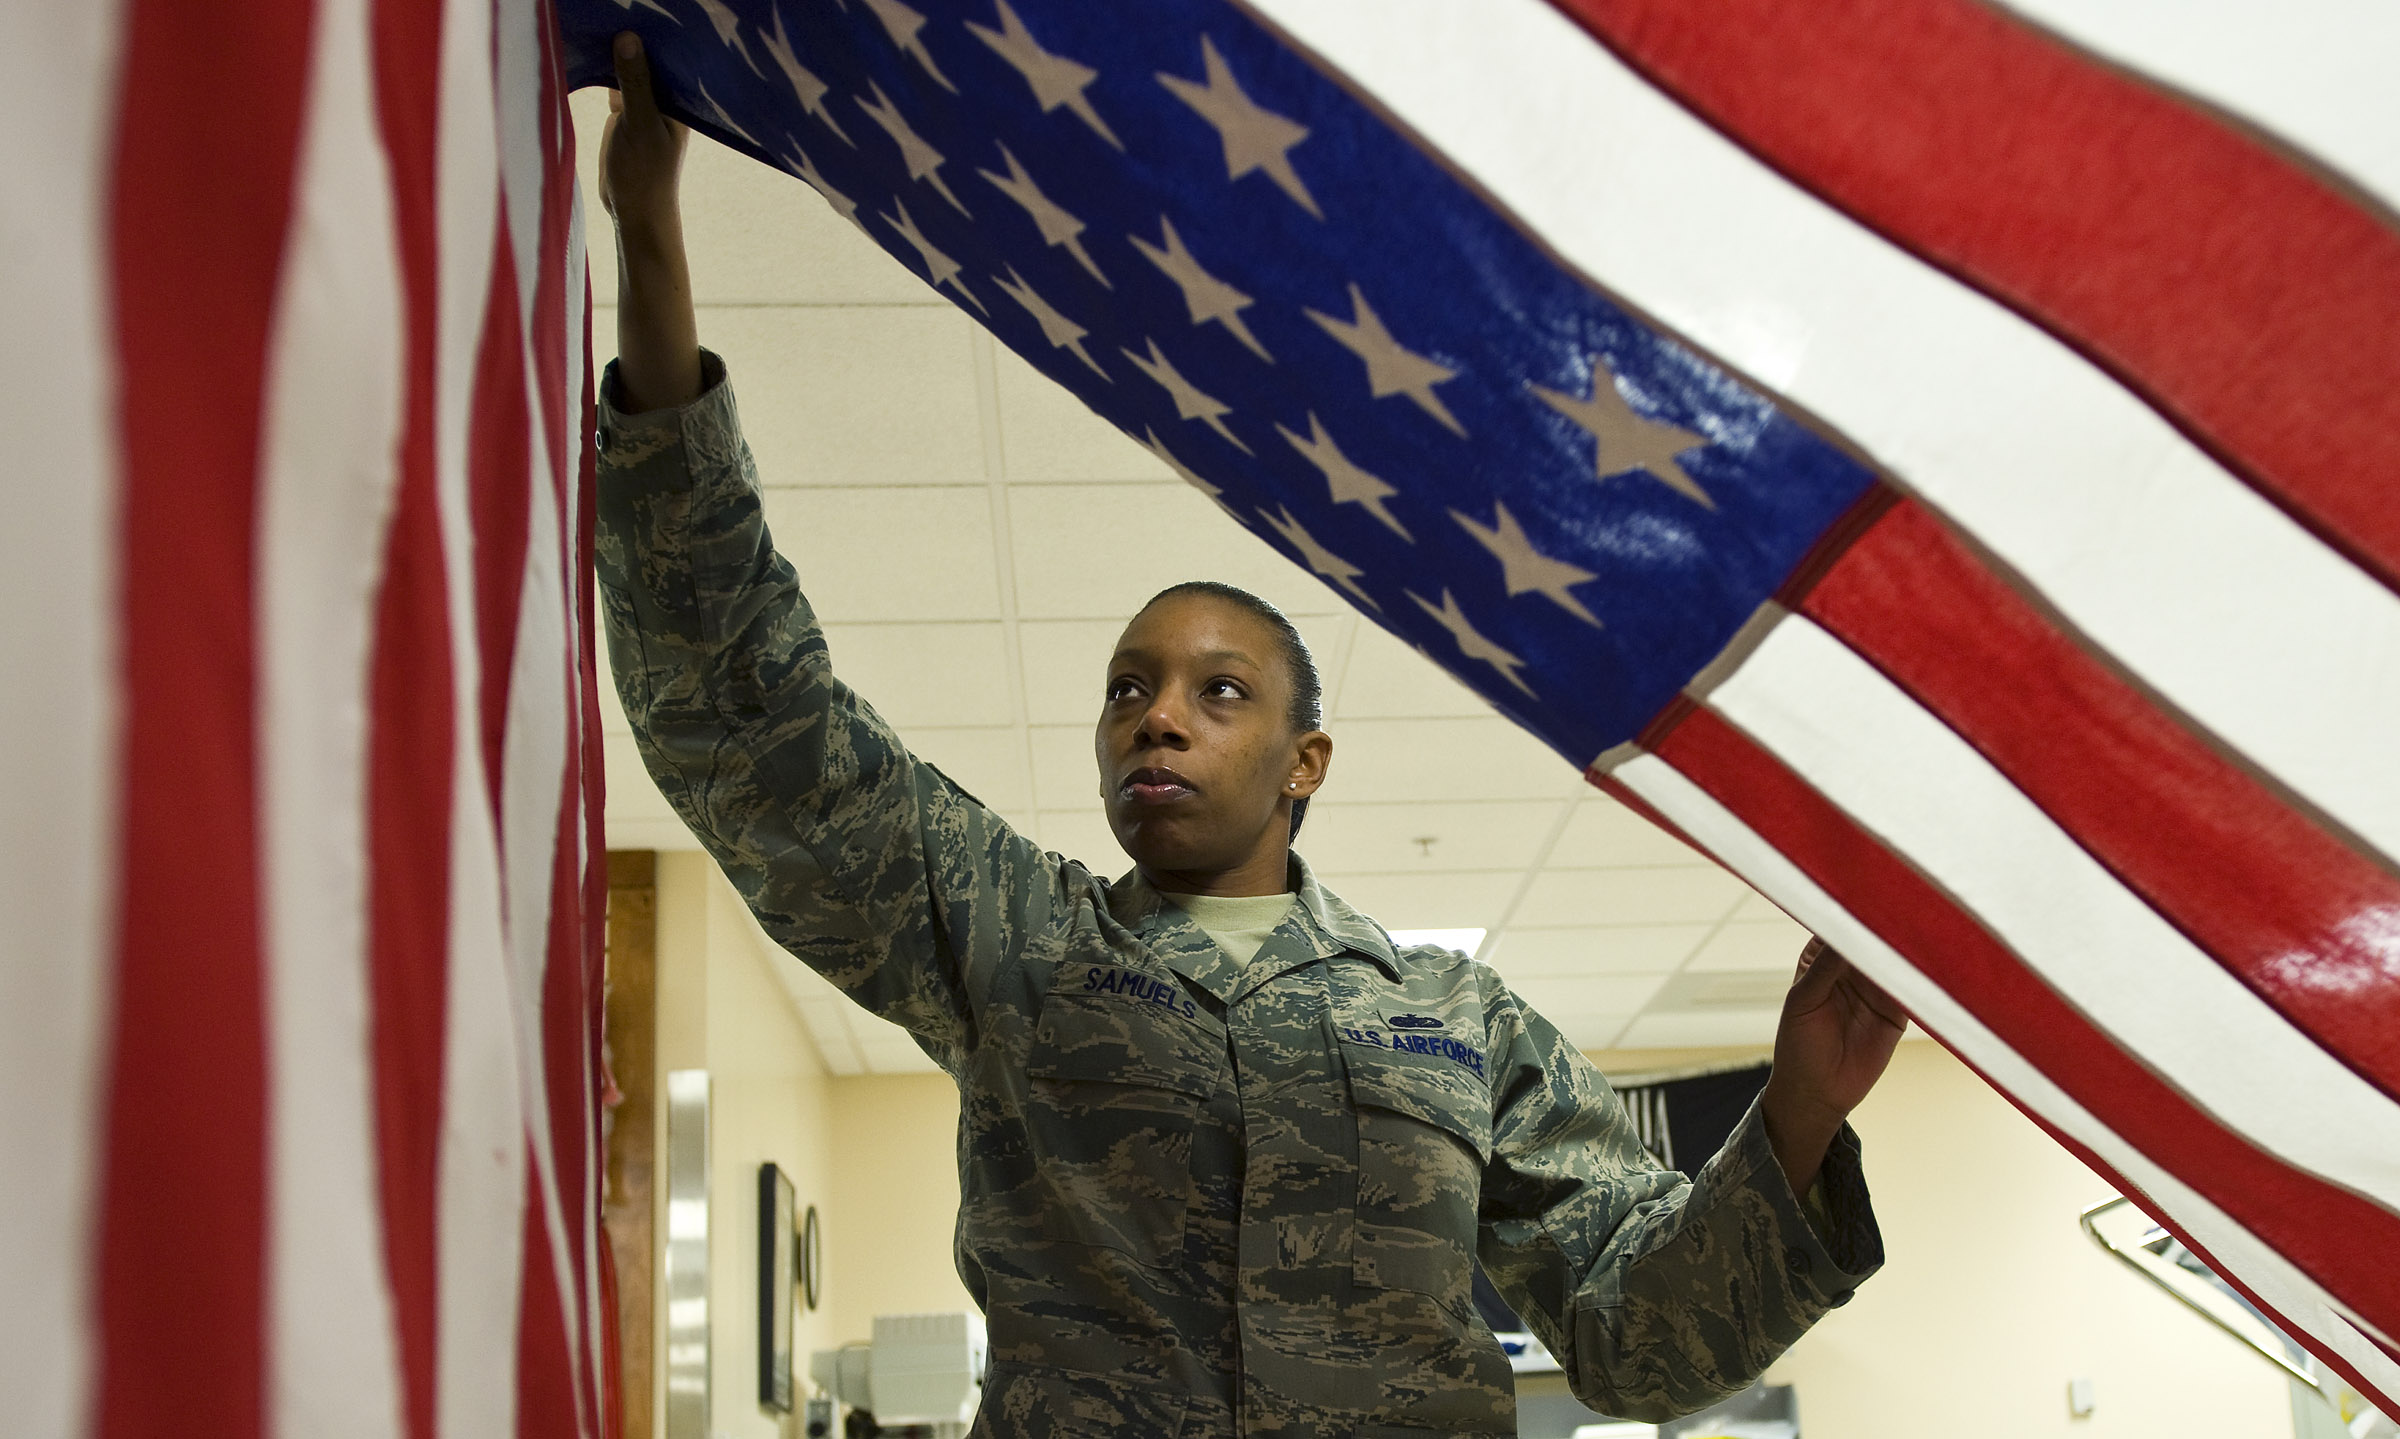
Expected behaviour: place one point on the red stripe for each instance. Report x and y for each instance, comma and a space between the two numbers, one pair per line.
591, 801
199, 207
567, 1059
546, 1391
2253, 302
2274, 898
411, 744
499, 497
2346, 1244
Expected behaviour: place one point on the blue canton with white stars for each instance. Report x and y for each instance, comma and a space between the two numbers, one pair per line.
1218, 247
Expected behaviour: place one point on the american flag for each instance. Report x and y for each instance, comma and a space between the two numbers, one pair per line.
1937, 458
299, 856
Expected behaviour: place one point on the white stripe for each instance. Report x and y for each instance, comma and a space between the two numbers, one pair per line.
2274, 1279
59, 707
331, 445
481, 1214
580, 652
1911, 781
2205, 590
517, 66
2317, 73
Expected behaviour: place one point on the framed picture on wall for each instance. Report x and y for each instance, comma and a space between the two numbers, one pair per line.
775, 1266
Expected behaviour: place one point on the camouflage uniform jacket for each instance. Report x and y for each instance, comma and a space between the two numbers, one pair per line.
1199, 1197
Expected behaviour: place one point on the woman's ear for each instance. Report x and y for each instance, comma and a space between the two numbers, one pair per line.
1312, 757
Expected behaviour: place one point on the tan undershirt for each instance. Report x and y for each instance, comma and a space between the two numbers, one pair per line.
1240, 924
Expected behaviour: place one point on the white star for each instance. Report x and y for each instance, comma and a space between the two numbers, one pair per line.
1057, 226
1061, 332
902, 24
939, 267
1055, 79
1349, 484
717, 112
1190, 402
650, 5
1255, 139
1318, 558
1524, 569
805, 83
806, 169
1624, 441
923, 161
1391, 370
1470, 643
729, 31
1208, 297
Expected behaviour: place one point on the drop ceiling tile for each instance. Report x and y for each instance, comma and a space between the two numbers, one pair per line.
1772, 944
1065, 776
889, 1050
664, 834
1426, 901
1694, 1031
1421, 760
1590, 1032
755, 234
1586, 994
631, 793
1697, 990
951, 675
1048, 436
1066, 668
987, 763
1083, 835
1596, 949
1694, 894
889, 554
1758, 906
851, 395
1604, 834
1364, 838
1101, 551
1386, 679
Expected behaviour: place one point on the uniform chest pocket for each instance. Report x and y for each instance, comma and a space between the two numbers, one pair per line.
1424, 1135
1116, 1079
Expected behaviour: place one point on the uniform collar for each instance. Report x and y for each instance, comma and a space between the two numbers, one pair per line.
1333, 928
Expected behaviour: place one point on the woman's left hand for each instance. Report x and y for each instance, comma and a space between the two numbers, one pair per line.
1838, 1032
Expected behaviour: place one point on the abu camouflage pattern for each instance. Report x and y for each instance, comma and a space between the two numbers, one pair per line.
1201, 1197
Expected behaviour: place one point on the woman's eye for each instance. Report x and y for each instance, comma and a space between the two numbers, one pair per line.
1119, 689
1224, 688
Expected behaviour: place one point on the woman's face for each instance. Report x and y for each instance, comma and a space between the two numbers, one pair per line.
1199, 764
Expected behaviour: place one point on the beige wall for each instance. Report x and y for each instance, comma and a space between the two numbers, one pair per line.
1991, 1301
722, 1009
895, 1199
